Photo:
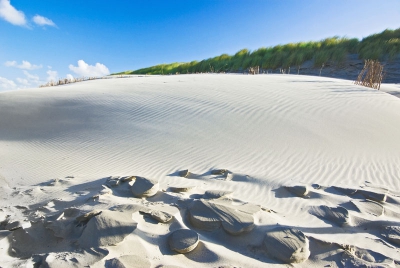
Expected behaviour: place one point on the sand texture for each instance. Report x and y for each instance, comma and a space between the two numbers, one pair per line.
200, 171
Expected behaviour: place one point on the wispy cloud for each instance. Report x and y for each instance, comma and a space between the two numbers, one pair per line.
43, 21
23, 81
30, 80
34, 79
31, 76
11, 63
10, 14
84, 69
52, 75
7, 84
25, 65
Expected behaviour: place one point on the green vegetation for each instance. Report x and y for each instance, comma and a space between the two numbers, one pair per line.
382, 46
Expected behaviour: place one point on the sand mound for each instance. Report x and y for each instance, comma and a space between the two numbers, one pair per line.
183, 240
181, 189
370, 207
298, 190
210, 215
392, 233
107, 228
144, 187
287, 244
69, 225
377, 195
83, 219
338, 215
184, 173
158, 215
128, 261
346, 191
215, 194
219, 171
113, 181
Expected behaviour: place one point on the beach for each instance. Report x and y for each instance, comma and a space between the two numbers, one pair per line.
242, 160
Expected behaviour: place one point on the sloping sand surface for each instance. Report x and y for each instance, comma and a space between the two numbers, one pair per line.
234, 158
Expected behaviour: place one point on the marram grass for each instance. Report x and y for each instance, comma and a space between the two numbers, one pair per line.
381, 46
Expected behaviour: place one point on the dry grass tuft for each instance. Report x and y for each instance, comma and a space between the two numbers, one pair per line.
72, 80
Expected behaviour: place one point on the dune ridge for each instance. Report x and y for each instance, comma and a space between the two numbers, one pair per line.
240, 141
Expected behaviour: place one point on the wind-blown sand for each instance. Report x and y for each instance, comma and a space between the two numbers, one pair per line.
102, 173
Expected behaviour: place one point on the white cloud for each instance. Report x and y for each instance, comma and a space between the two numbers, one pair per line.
52, 75
7, 84
10, 14
11, 63
84, 69
29, 80
23, 81
25, 65
31, 77
43, 21
70, 77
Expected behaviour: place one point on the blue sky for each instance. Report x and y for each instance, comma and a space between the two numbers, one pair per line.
49, 39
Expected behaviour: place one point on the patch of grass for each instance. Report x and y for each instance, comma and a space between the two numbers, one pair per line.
381, 46
385, 45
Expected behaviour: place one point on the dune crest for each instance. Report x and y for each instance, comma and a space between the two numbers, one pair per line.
266, 170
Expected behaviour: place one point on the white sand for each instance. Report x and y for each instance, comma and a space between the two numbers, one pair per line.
60, 145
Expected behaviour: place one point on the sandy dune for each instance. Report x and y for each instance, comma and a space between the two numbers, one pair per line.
103, 172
